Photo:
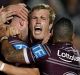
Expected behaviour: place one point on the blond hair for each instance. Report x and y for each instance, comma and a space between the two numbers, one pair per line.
47, 7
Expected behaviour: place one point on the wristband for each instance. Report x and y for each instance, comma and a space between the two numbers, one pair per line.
2, 66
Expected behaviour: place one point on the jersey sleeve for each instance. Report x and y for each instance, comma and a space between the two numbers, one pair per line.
17, 43
38, 53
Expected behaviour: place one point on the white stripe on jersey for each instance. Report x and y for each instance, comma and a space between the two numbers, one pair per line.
26, 56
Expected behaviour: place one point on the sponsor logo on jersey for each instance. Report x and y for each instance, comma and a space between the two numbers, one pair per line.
18, 46
65, 56
39, 51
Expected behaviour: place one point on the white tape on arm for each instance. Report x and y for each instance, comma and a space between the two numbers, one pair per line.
26, 56
2, 66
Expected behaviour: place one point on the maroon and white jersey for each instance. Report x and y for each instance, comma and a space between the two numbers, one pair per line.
62, 60
53, 59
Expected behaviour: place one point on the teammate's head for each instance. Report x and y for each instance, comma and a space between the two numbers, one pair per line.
41, 20
21, 25
63, 30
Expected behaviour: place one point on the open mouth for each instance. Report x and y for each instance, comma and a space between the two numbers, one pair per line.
38, 29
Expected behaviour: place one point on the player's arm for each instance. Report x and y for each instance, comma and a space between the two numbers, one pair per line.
10, 53
12, 70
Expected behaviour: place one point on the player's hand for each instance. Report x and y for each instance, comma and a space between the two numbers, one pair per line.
18, 9
4, 16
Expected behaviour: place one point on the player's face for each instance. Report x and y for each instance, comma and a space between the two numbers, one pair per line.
39, 23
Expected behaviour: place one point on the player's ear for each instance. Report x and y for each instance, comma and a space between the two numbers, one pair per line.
50, 27
73, 36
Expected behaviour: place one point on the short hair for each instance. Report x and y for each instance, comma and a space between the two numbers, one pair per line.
47, 7
63, 29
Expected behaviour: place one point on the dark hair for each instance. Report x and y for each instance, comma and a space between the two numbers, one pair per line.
63, 29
